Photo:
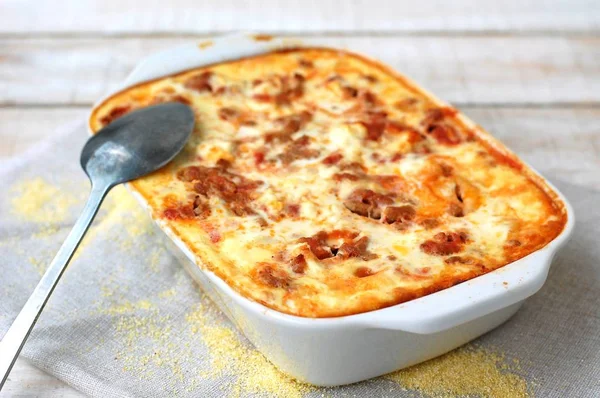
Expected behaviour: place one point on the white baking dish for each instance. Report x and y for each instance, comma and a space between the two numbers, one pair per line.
335, 351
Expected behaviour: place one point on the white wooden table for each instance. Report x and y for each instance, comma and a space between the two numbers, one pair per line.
527, 70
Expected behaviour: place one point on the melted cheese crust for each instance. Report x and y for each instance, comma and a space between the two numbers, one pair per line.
321, 184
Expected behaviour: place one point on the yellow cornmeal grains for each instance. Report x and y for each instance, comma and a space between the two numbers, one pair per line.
47, 205
167, 293
40, 264
229, 356
465, 372
154, 330
38, 201
154, 259
128, 307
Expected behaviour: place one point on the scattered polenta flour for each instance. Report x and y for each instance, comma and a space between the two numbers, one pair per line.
39, 264
36, 200
133, 330
47, 206
229, 356
165, 294
126, 307
41, 261
465, 372
153, 346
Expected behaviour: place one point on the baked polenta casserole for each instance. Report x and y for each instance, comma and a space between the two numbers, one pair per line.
320, 184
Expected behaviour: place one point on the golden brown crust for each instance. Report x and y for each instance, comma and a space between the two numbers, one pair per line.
320, 183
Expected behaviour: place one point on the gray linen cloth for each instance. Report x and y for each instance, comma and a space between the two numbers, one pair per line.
126, 320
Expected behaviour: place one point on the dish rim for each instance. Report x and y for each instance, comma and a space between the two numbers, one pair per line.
431, 313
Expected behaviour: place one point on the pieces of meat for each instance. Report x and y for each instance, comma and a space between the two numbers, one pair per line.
349, 92
298, 149
326, 245
259, 157
236, 116
288, 125
291, 87
179, 212
169, 95
352, 171
445, 134
191, 173
200, 82
435, 115
318, 245
355, 248
305, 63
367, 203
459, 260
370, 78
375, 123
201, 207
115, 113
398, 214
235, 190
228, 114
298, 264
292, 210
429, 223
456, 210
334, 158
346, 176
271, 275
436, 125
445, 243
363, 272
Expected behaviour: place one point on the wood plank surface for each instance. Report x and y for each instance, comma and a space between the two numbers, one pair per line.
462, 70
561, 143
296, 16
26, 381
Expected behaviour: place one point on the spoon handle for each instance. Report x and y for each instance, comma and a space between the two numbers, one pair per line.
17, 334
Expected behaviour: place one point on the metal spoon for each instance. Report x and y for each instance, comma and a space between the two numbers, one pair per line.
130, 147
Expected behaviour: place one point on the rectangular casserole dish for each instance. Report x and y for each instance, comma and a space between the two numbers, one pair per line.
348, 349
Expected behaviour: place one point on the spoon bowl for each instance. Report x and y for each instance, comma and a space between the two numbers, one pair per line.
137, 143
